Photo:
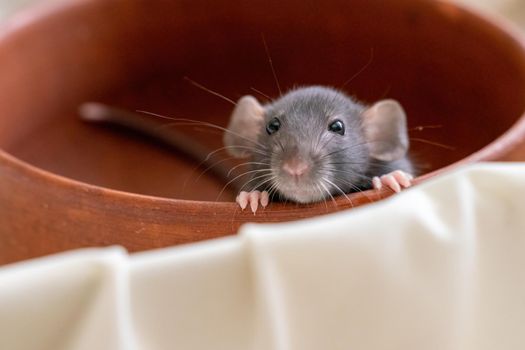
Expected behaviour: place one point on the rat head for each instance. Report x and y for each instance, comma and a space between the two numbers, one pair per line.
315, 142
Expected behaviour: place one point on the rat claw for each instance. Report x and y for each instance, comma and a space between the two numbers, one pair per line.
395, 180
242, 199
391, 182
402, 178
265, 199
254, 200
376, 182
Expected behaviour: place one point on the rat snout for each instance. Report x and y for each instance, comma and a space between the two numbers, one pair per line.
295, 166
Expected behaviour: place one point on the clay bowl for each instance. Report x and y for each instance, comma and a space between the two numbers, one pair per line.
65, 184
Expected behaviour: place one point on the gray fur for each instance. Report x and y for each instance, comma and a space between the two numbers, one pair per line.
339, 163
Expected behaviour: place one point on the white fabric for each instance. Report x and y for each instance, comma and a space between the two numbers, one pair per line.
438, 267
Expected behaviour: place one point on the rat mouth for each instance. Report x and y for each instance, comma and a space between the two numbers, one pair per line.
301, 190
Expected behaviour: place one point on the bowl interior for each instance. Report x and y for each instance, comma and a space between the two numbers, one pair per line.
457, 76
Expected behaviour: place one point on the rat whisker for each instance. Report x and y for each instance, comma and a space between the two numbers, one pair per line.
366, 162
161, 116
354, 187
202, 87
231, 147
361, 70
385, 92
212, 153
264, 181
328, 139
207, 169
321, 194
272, 190
199, 122
347, 171
244, 164
338, 151
370, 162
210, 167
238, 176
326, 142
271, 64
269, 177
209, 156
327, 191
432, 143
350, 163
352, 146
350, 172
261, 93
339, 189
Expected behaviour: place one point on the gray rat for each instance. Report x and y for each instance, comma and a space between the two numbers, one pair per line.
311, 144
315, 142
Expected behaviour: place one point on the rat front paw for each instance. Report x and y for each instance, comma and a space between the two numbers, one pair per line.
394, 180
253, 198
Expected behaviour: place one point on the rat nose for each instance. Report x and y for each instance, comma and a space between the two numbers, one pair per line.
295, 167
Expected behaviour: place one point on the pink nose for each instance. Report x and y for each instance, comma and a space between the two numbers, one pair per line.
295, 167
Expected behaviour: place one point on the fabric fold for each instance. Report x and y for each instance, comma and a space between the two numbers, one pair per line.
437, 267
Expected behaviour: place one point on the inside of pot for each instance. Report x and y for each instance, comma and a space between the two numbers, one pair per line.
461, 81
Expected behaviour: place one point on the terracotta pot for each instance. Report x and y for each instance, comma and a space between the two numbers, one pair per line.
65, 184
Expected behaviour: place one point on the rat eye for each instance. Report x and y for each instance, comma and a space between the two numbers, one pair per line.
273, 126
338, 127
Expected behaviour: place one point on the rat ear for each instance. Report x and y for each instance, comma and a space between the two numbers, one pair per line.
386, 131
244, 127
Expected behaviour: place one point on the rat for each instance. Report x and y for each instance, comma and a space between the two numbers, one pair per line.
316, 142
310, 144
